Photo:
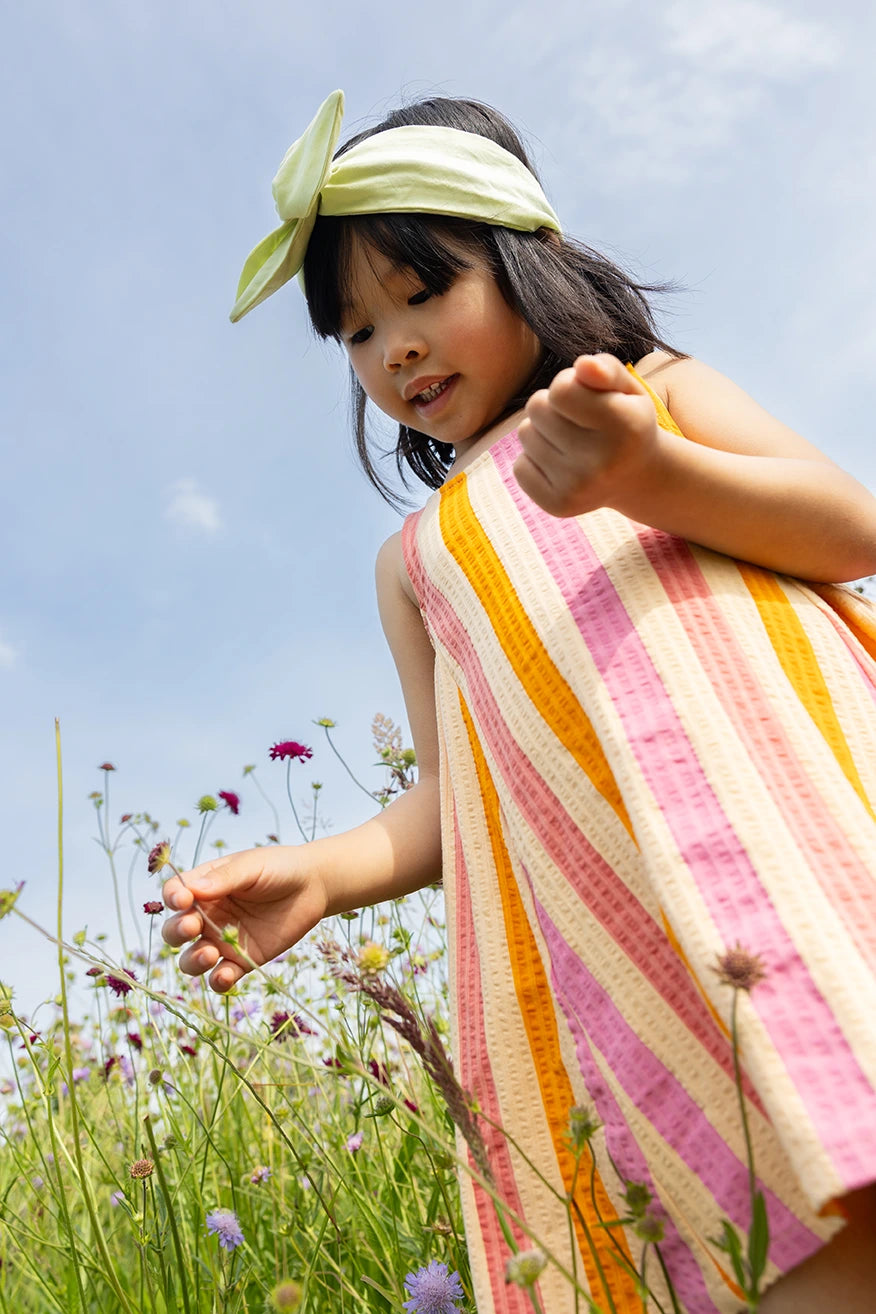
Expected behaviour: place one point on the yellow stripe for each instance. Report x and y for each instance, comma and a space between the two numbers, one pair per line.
800, 664
536, 1005
468, 544
664, 419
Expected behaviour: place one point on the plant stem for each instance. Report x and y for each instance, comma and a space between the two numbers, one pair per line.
174, 1231
343, 763
302, 832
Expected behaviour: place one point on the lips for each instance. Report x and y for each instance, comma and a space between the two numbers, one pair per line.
425, 389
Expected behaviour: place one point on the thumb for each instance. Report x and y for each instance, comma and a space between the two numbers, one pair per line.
209, 880
605, 373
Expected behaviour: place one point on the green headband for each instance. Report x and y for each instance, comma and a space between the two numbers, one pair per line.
410, 170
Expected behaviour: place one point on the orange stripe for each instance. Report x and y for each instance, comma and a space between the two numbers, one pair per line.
468, 544
794, 650
537, 1011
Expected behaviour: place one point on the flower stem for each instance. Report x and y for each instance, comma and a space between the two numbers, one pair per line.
171, 1213
301, 829
343, 763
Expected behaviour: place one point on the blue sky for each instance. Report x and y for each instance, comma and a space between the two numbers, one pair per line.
187, 541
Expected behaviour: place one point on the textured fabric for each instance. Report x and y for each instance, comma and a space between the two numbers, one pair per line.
650, 753
414, 169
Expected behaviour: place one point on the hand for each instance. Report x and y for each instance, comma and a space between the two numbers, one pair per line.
266, 895
588, 439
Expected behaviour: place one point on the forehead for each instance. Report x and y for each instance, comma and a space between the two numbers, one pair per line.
369, 273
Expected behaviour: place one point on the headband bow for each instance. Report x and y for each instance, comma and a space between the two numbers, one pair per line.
411, 170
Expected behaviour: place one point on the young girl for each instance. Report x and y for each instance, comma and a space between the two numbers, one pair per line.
647, 751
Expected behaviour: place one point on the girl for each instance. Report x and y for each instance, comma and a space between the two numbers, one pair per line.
647, 751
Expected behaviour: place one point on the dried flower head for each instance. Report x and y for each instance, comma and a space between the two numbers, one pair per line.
650, 1228
433, 1290
526, 1267
231, 800
224, 1223
290, 748
8, 899
637, 1197
583, 1126
159, 857
142, 1168
153, 907
740, 969
382, 1105
106, 766
326, 722
286, 1297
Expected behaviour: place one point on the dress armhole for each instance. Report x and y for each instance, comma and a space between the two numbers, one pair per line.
664, 419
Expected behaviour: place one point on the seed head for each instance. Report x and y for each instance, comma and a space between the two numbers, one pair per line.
372, 958
141, 1169
740, 969
583, 1126
207, 803
526, 1267
649, 1228
286, 1297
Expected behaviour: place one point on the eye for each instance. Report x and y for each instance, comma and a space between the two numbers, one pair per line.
361, 335
419, 297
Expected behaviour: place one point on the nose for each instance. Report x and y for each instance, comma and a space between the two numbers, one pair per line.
402, 348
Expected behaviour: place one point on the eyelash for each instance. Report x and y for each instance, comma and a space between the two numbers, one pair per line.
362, 335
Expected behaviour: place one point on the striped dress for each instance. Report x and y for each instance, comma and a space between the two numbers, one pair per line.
651, 753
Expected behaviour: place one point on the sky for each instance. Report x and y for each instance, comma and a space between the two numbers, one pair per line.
188, 543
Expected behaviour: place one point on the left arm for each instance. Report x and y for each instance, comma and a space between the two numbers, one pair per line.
739, 482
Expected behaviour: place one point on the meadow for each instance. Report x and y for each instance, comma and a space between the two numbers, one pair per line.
293, 1145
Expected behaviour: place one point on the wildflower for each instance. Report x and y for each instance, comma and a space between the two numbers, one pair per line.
125, 818
135, 1039
433, 1290
526, 1267
378, 1072
286, 1296
583, 1126
382, 1105
37, 1182
106, 766
260, 1174
326, 722
155, 1076
159, 857
414, 1108
289, 748
142, 1169
231, 935
188, 1049
637, 1197
120, 985
372, 958
284, 1025
153, 907
183, 823
206, 803
354, 1142
231, 800
80, 1074
116, 1198
740, 969
224, 1224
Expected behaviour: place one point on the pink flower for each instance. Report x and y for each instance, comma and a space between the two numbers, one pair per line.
231, 800
153, 907
354, 1142
106, 766
290, 748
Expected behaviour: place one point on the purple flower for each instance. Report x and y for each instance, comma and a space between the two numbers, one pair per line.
120, 985
354, 1142
260, 1174
231, 800
433, 1290
153, 907
290, 748
116, 1198
284, 1025
224, 1224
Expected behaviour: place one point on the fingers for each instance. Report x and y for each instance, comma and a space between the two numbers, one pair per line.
605, 373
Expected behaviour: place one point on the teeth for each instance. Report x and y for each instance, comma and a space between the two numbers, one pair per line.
430, 393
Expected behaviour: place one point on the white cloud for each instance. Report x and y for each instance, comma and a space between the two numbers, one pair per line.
193, 509
743, 36
8, 655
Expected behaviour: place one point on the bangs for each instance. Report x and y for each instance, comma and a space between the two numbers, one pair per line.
432, 247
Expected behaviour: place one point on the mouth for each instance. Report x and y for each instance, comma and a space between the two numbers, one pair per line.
426, 397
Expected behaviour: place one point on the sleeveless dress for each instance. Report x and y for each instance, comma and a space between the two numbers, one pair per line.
651, 754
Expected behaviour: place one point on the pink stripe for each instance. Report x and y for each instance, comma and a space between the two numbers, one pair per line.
475, 1076
802, 1027
661, 1098
836, 865
609, 899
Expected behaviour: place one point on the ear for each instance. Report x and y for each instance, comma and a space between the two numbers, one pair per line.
550, 237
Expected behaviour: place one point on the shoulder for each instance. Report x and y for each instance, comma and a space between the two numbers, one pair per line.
712, 410
391, 573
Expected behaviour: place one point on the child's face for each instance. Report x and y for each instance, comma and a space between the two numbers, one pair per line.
445, 365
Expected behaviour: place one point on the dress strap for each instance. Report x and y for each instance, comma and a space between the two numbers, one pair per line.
664, 419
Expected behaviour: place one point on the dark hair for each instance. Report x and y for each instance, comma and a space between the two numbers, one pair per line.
574, 299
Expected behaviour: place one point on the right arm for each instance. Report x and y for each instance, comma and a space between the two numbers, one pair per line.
275, 895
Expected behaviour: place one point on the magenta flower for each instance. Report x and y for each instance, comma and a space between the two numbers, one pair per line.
120, 985
225, 1224
290, 748
153, 907
284, 1025
106, 766
230, 799
159, 857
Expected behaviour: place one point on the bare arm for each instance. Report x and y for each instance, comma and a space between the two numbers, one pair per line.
739, 481
273, 896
